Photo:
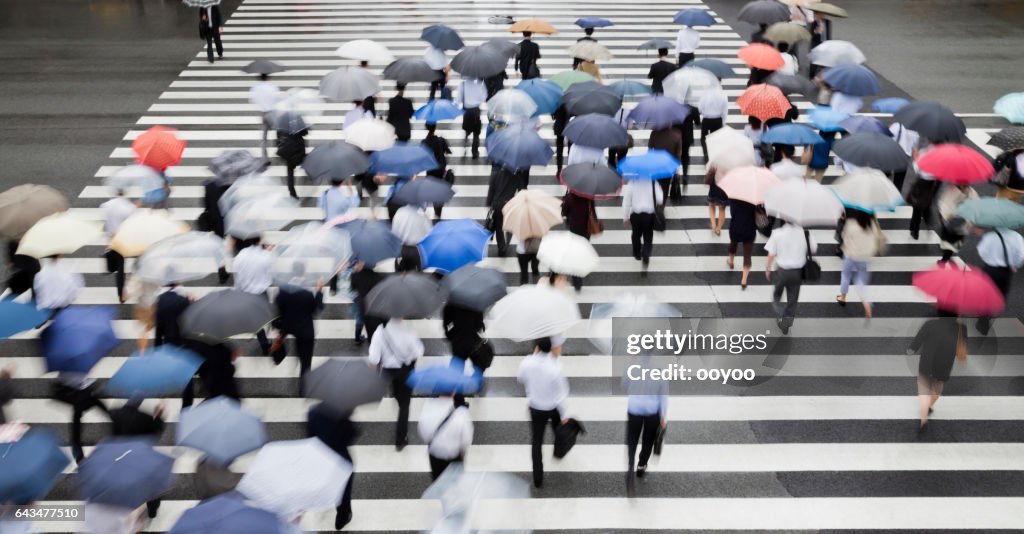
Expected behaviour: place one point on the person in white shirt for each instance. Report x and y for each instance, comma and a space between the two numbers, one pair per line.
547, 389
790, 64
788, 249
687, 41
909, 140
639, 201
472, 93
1002, 253
437, 60
254, 275
55, 286
787, 168
356, 114
713, 107
846, 103
586, 154
265, 95
115, 211
394, 349
447, 428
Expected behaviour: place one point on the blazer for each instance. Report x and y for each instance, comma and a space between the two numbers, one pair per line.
204, 27
337, 431
297, 307
399, 114
169, 307
667, 139
659, 71
527, 57
503, 185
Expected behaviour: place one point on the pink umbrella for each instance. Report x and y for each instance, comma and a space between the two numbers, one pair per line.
955, 163
748, 183
965, 292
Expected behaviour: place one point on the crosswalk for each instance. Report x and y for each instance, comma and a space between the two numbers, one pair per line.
827, 444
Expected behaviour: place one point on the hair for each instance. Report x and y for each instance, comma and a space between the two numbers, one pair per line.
431, 128
264, 77
337, 181
364, 63
863, 218
527, 34
786, 150
754, 122
400, 86
663, 51
544, 344
783, 47
588, 31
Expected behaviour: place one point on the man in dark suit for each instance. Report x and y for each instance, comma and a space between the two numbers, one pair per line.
660, 70
297, 307
400, 113
526, 59
338, 432
503, 185
217, 373
129, 420
210, 26
169, 307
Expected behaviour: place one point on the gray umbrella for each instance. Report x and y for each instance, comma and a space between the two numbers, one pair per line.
479, 62
425, 190
231, 164
263, 66
349, 84
790, 85
932, 120
1010, 138
124, 472
475, 288
655, 44
229, 312
592, 180
503, 46
871, 149
289, 122
344, 384
441, 36
408, 296
764, 12
410, 69
221, 429
719, 68
597, 131
591, 97
335, 160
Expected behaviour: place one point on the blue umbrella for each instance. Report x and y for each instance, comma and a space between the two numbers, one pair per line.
545, 93
518, 147
221, 429
443, 379
78, 337
30, 467
16, 317
852, 79
653, 165
593, 22
862, 123
596, 131
403, 159
826, 119
791, 134
694, 17
889, 105
452, 244
441, 36
657, 112
438, 110
631, 88
124, 472
165, 370
228, 514
373, 241
421, 191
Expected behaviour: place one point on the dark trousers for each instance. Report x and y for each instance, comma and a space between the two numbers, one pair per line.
528, 262
438, 465
897, 179
213, 39
403, 394
291, 181
115, 264
1001, 277
642, 430
344, 509
916, 216
437, 84
81, 401
539, 418
686, 57
218, 378
642, 226
708, 126
615, 155
500, 236
788, 280
559, 146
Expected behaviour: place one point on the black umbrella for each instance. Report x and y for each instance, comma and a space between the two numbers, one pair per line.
719, 68
655, 44
262, 66
591, 180
344, 384
793, 85
425, 190
597, 131
933, 121
443, 37
1010, 138
336, 160
871, 149
479, 62
503, 46
289, 122
591, 97
222, 314
408, 296
410, 69
764, 12
475, 288
232, 164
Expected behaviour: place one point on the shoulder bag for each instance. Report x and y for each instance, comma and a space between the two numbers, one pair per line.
658, 222
594, 226
811, 270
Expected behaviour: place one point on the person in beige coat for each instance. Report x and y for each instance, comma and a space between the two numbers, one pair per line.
862, 239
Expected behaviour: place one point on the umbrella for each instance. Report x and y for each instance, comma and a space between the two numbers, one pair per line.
222, 314
180, 258
441, 380
689, 84
289, 477
410, 69
345, 384
78, 337
791, 134
694, 17
870, 149
832, 53
124, 472
867, 190
459, 489
828, 9
370, 134
597, 131
1009, 139
408, 295
349, 84
955, 163
568, 78
158, 147
787, 32
761, 56
657, 112
24, 205
803, 202
228, 514
262, 66
441, 36
748, 184
852, 79
593, 22
140, 179
372, 242
336, 160
888, 105
964, 292
533, 26
511, 105
656, 44
475, 288
652, 165
545, 94
60, 233
1011, 107
437, 110
591, 180
932, 120
252, 217
31, 463
452, 244
228, 165
365, 50
729, 149
411, 224
305, 101
248, 188
531, 213
403, 160
992, 212
221, 429
625, 88
201, 3
518, 147
862, 123
764, 102
479, 62
143, 228
826, 119
568, 253
630, 305
423, 190
18, 317
289, 122
590, 51
791, 84
504, 46
533, 312
165, 370
318, 251
719, 68
763, 12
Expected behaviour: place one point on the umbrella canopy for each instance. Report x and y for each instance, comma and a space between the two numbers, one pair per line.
78, 337
1009, 139
142, 229
511, 105
992, 212
533, 312
139, 179
262, 66
248, 188
655, 44
591, 97
568, 78
458, 489
803, 202
591, 180
826, 119
409, 70
590, 51
888, 105
657, 112
531, 213
762, 56
289, 477
336, 160
1011, 107
164, 370
442, 380
568, 253
791, 84
597, 131
932, 120
349, 84
475, 288
24, 205
221, 429
17, 317
408, 295
955, 163
252, 217
719, 68
31, 464
222, 314
159, 147
870, 149
181, 258
832, 53
228, 514
289, 122
403, 160
365, 50
373, 241
593, 22
964, 292
309, 253
504, 46
787, 32
791, 134
437, 110
411, 224
763, 12
764, 102
422, 191
533, 26
655, 164
828, 9
308, 102
518, 147
748, 184
694, 17
452, 244
201, 3
479, 62
867, 190
60, 233
626, 88
547, 95
863, 123
689, 84
624, 306
441, 36
370, 134
728, 149
228, 165
852, 79
344, 384
124, 472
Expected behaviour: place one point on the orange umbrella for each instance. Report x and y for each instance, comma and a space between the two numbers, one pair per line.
535, 26
764, 102
158, 147
761, 56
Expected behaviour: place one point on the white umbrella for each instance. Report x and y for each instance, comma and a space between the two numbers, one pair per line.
533, 312
290, 477
60, 233
310, 252
370, 134
411, 224
628, 305
832, 53
305, 102
180, 258
803, 202
868, 190
568, 253
143, 228
688, 84
365, 50
252, 217
346, 84
249, 187
511, 104
135, 179
729, 149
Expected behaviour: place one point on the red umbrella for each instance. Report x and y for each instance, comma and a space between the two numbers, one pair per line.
761, 56
764, 102
955, 163
158, 147
965, 292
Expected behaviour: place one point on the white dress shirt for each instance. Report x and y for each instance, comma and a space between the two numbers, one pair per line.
337, 200
56, 286
755, 139
788, 169
546, 386
355, 115
790, 65
254, 270
638, 196
789, 247
990, 249
845, 103
905, 137
714, 104
687, 40
472, 93
448, 441
264, 96
209, 16
435, 58
395, 345
586, 154
115, 211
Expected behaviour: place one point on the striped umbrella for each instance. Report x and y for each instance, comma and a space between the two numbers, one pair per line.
764, 102
159, 147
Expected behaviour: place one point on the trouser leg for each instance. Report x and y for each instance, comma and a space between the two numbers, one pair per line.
651, 423
634, 425
220, 46
291, 181
403, 394
209, 48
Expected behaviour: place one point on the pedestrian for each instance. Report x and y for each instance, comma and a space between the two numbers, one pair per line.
742, 230
862, 239
758, 76
6, 390
291, 147
362, 280
845, 102
640, 202
217, 373
502, 186
55, 286
337, 199
646, 415
908, 140
686, 133
495, 83
170, 305
718, 201
669, 139
580, 214
146, 295
22, 268
356, 114
437, 60
338, 432
821, 31
617, 153
713, 108
952, 228
463, 328
790, 65
587, 36
394, 351
115, 211
753, 130
560, 119
265, 95
254, 274
1009, 175
129, 420
660, 70
786, 167
817, 158
758, 35
210, 26
547, 390
591, 68
438, 146
527, 57
211, 219
687, 41
941, 342
400, 112
447, 428
1002, 252
586, 154
82, 394
789, 248
526, 254
297, 308
472, 94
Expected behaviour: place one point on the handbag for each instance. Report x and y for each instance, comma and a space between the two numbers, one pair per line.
449, 176
658, 222
594, 226
811, 271
483, 355
489, 221
881, 243
566, 435
659, 440
762, 221
204, 222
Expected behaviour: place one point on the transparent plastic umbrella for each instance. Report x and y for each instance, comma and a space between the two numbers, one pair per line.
370, 134
729, 149
411, 224
835, 52
347, 84
599, 326
532, 312
803, 202
365, 50
247, 188
319, 252
689, 84
306, 102
135, 180
252, 217
290, 477
510, 105
867, 190
181, 258
458, 491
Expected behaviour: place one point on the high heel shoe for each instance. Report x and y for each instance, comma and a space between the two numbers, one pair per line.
730, 264
841, 299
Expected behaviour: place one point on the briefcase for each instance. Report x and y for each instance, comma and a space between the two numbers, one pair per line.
659, 440
565, 437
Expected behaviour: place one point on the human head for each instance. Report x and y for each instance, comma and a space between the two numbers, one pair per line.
588, 31
431, 128
786, 151
527, 35
754, 122
364, 64
400, 87
783, 47
264, 77
662, 52
542, 345
335, 181
358, 103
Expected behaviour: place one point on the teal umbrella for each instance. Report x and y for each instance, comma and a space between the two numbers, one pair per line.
1011, 107
992, 212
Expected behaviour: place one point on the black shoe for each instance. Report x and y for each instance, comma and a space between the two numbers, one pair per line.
279, 356
223, 276
636, 257
641, 471
340, 522
915, 234
645, 262
922, 429
523, 280
782, 326
265, 348
401, 445
151, 509
358, 339
538, 482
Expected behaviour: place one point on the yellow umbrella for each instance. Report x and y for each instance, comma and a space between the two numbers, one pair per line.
787, 32
143, 228
60, 233
534, 26
531, 213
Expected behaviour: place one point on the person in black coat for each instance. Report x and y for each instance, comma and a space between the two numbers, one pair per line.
22, 269
297, 307
169, 307
217, 373
463, 328
338, 432
439, 147
561, 120
503, 185
495, 83
291, 147
212, 220
129, 420
577, 211
941, 342
362, 280
527, 57
660, 70
210, 26
400, 113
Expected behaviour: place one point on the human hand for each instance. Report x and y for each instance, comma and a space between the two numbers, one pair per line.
7, 372
768, 274
664, 424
